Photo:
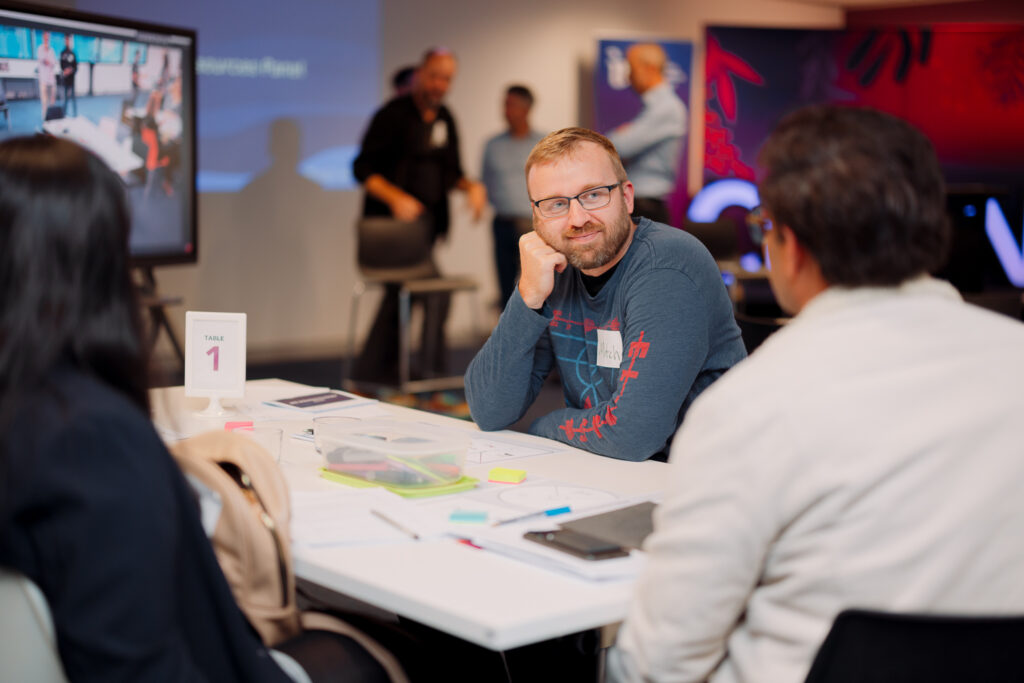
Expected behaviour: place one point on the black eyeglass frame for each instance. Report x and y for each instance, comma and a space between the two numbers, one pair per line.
577, 198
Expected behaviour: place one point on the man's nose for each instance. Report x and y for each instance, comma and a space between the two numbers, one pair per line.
577, 214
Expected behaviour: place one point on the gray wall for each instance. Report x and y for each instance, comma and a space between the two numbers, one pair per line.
284, 252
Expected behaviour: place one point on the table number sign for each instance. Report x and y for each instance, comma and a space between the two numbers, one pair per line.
214, 357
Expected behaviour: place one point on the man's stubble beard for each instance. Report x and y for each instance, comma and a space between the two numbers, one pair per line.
615, 235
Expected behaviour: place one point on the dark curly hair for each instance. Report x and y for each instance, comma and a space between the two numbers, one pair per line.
861, 190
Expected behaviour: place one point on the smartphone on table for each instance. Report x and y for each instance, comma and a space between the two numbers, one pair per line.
578, 544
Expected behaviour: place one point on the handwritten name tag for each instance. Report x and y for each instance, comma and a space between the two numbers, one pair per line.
609, 348
439, 134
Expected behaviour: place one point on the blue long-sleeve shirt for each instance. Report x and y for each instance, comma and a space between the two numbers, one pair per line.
503, 163
632, 358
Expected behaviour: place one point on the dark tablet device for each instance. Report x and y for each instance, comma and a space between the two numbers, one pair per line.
627, 526
578, 544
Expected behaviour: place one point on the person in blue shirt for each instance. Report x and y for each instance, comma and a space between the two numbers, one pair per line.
504, 159
651, 144
633, 314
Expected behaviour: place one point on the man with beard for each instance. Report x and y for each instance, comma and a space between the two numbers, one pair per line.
635, 316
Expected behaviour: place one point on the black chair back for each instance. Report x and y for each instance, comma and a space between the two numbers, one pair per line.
386, 242
879, 647
390, 249
719, 237
756, 329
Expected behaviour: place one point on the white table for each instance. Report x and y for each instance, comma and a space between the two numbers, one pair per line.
479, 596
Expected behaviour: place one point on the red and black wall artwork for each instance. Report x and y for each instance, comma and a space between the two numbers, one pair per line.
962, 85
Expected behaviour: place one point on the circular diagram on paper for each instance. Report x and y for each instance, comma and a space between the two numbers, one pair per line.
546, 497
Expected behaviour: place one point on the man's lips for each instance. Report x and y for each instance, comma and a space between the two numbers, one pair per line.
583, 237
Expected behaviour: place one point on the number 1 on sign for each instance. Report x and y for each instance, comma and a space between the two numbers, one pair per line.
215, 352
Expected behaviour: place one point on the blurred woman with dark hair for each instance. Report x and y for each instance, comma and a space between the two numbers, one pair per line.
92, 507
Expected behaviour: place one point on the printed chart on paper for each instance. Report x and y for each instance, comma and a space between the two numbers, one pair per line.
547, 496
489, 449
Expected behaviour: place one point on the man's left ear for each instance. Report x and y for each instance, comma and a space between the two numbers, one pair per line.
627, 194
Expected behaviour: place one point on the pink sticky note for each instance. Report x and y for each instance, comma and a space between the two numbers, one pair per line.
229, 426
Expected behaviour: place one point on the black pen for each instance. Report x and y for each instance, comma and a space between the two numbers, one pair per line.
405, 530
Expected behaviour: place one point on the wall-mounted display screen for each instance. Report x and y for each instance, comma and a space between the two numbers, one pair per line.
65, 73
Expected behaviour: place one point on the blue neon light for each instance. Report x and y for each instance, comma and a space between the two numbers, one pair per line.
1010, 254
716, 196
751, 262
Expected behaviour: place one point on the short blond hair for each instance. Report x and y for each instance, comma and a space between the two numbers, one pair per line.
565, 142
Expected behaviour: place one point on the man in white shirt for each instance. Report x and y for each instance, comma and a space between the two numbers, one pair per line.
651, 144
46, 73
869, 454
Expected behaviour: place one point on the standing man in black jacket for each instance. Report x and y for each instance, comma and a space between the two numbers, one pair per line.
408, 163
68, 69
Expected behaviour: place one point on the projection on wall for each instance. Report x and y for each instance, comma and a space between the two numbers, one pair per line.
311, 62
960, 84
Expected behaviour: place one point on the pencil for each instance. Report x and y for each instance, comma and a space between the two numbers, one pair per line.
405, 530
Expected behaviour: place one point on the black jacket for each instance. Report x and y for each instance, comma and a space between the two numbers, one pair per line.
420, 158
101, 518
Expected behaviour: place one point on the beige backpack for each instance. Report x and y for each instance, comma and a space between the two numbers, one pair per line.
252, 539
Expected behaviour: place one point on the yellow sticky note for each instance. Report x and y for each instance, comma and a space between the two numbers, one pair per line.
504, 475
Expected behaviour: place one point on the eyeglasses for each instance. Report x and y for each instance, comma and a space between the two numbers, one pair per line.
589, 199
758, 223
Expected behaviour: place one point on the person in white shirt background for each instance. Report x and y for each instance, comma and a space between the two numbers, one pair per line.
867, 455
47, 73
651, 144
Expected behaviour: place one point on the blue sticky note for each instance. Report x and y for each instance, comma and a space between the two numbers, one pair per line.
468, 516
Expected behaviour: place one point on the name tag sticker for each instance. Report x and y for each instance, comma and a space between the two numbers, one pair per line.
609, 348
439, 134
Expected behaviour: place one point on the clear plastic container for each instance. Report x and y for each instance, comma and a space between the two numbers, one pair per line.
395, 453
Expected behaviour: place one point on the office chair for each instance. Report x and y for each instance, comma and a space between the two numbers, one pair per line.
719, 237
755, 329
54, 112
393, 252
28, 645
879, 647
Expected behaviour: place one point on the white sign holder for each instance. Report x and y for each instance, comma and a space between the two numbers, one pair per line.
214, 358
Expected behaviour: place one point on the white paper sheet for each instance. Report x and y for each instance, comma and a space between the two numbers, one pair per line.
330, 518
